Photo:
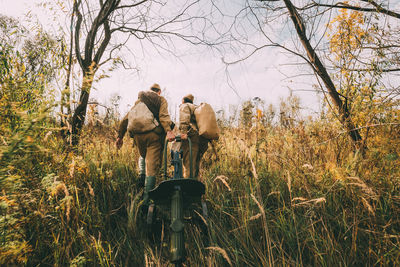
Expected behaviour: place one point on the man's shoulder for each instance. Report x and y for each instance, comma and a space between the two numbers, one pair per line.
151, 96
148, 93
190, 105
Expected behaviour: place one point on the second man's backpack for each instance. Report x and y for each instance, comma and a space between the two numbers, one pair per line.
206, 121
141, 119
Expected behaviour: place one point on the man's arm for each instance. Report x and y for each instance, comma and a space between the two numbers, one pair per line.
165, 119
163, 115
121, 131
184, 118
186, 126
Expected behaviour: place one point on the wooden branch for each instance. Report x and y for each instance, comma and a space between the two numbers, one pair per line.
77, 31
133, 5
377, 9
382, 10
322, 72
104, 43
380, 70
106, 9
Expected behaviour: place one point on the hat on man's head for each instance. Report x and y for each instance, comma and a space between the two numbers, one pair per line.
189, 97
155, 87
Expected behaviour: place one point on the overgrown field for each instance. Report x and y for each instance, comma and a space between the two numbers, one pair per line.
282, 196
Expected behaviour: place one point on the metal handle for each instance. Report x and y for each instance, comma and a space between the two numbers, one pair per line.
177, 247
190, 156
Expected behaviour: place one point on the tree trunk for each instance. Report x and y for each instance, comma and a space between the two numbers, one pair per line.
78, 119
66, 93
320, 69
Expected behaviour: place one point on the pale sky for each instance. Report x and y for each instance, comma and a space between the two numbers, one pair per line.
200, 72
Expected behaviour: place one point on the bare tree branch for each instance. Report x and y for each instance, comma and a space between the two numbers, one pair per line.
77, 31
377, 8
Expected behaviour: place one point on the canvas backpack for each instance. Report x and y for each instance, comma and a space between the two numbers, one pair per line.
141, 119
206, 121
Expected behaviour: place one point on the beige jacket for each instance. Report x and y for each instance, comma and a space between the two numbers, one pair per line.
164, 117
187, 120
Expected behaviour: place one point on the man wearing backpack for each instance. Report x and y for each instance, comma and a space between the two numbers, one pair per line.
151, 142
188, 128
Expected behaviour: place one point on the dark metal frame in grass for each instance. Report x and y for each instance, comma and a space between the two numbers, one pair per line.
178, 192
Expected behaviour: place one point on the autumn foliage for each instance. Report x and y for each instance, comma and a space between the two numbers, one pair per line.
283, 189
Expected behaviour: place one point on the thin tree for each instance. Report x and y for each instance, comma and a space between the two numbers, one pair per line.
321, 71
263, 13
97, 23
386, 34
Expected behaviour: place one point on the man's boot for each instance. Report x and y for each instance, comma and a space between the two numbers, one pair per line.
148, 185
142, 172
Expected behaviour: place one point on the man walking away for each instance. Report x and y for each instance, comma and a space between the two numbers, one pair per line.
188, 128
150, 143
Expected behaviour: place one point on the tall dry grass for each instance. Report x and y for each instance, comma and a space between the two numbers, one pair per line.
276, 196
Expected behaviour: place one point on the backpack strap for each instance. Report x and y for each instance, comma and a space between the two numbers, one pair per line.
153, 102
